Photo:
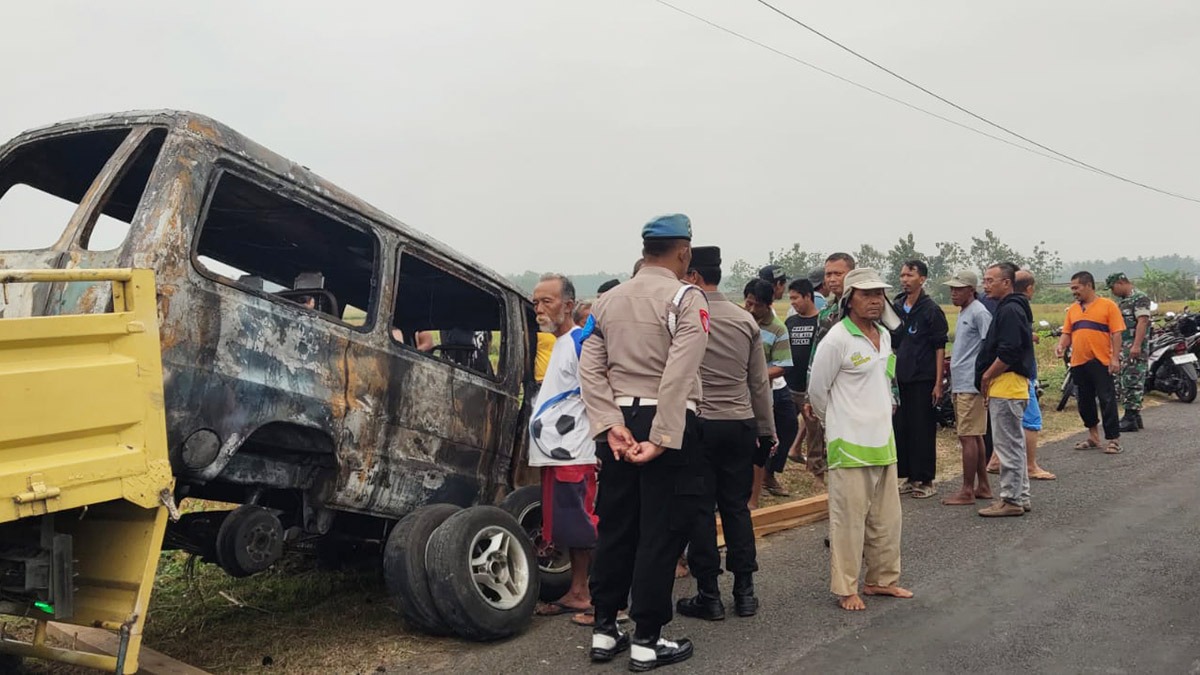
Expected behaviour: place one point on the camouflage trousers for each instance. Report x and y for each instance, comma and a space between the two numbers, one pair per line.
1131, 382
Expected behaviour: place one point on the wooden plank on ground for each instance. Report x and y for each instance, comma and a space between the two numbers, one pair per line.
103, 641
780, 517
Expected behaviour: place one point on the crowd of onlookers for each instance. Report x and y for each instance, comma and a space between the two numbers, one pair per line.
848, 383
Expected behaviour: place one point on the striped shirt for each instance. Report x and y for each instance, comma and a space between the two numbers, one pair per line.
777, 347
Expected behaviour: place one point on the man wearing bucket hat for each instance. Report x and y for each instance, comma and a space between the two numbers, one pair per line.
850, 390
639, 374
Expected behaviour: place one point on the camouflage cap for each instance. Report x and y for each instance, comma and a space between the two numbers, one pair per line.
1115, 278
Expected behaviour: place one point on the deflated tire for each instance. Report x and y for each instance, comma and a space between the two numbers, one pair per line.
404, 566
483, 573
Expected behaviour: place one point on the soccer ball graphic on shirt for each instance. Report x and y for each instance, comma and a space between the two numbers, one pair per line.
550, 437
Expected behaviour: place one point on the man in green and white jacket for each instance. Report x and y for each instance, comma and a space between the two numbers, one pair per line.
850, 390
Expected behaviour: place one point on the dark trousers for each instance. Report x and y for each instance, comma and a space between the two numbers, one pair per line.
915, 425
646, 513
729, 474
787, 426
1094, 384
988, 446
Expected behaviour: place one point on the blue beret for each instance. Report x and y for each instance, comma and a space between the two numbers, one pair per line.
674, 226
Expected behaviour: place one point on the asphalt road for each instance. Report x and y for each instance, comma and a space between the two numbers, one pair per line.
1103, 576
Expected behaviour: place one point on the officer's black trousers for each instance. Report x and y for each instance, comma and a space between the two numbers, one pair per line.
729, 473
646, 512
915, 425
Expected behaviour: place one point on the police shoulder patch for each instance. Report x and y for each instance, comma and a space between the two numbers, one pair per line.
704, 319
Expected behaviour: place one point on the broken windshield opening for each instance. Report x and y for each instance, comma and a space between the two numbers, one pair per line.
42, 183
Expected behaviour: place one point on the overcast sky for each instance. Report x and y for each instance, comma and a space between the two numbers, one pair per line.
541, 134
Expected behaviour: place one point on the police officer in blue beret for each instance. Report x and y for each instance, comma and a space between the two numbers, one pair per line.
639, 373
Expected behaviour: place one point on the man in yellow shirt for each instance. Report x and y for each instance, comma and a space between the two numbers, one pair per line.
1002, 371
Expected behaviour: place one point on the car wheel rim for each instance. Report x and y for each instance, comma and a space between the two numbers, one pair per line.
557, 562
499, 567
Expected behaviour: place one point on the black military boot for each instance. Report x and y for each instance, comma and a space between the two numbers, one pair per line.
706, 604
1137, 415
744, 602
651, 651
607, 639
1130, 421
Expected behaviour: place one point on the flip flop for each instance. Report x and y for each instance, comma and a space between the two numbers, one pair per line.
587, 618
1086, 445
924, 492
1043, 475
553, 609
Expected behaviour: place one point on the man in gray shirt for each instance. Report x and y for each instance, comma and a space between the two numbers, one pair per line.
969, 411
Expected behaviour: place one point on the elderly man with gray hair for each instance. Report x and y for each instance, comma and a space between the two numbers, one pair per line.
566, 456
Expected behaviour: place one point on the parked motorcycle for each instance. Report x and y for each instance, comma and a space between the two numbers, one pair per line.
1068, 386
1172, 365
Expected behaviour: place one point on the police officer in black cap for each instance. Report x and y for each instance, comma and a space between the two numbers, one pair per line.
639, 376
736, 409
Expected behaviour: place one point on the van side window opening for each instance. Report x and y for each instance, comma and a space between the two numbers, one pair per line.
42, 183
256, 239
117, 211
465, 322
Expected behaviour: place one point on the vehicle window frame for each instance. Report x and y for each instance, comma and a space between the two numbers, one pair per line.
270, 183
91, 202
405, 248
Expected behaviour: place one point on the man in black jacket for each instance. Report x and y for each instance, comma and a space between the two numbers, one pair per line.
1002, 372
920, 346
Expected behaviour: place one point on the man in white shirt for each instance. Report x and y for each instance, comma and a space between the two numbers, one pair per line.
561, 444
850, 391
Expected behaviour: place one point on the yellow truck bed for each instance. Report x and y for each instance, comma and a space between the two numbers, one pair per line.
85, 482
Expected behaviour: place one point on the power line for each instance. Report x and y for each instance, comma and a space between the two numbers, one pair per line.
864, 87
960, 108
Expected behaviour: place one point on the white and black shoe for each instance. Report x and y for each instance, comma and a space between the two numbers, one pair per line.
607, 643
647, 655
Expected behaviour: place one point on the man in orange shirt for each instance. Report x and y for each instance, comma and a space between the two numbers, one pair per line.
1093, 333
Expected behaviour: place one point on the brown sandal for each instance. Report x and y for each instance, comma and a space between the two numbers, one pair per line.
1086, 445
1114, 448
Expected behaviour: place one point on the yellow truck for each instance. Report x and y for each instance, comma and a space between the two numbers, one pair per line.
85, 480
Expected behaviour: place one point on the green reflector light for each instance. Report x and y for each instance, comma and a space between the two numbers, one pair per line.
45, 607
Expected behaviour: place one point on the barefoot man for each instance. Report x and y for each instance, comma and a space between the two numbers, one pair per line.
969, 411
850, 391
566, 456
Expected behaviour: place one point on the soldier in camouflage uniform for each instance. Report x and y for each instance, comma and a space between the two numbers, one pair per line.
1131, 383
837, 266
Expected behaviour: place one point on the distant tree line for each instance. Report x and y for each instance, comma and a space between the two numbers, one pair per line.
1162, 277
585, 284
946, 258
